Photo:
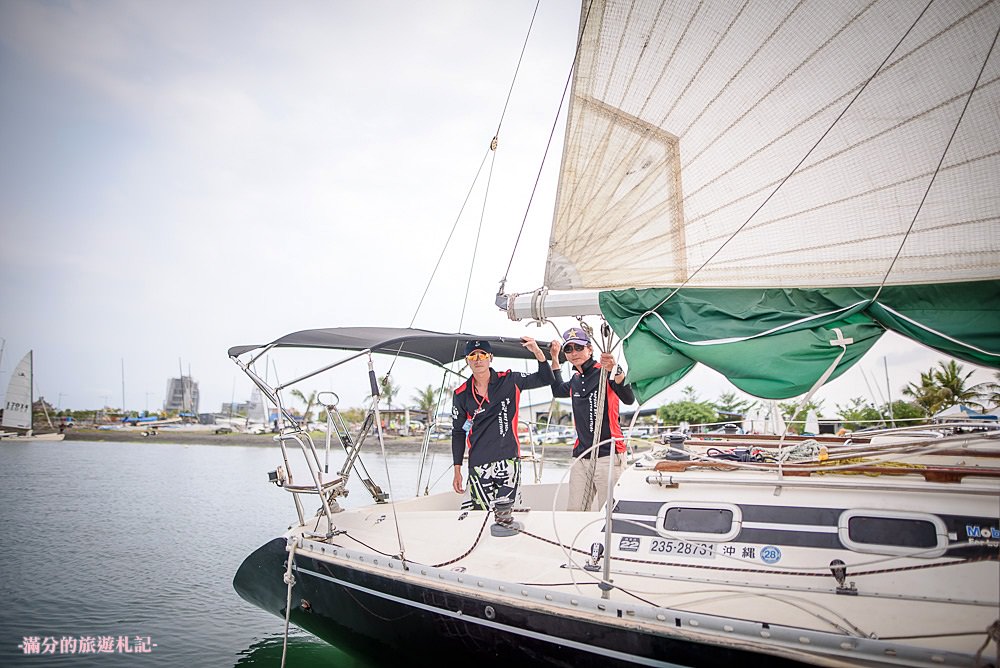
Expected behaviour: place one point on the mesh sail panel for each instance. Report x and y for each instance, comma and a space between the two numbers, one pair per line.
743, 145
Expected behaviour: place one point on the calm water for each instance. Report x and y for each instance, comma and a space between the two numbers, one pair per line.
143, 539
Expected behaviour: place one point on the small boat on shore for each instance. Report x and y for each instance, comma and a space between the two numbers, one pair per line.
17, 424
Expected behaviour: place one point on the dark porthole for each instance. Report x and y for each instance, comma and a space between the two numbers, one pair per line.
892, 531
698, 520
916, 534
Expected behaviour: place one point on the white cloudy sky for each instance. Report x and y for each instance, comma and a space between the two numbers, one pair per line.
181, 177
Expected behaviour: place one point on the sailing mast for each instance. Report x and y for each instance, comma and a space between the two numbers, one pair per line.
31, 392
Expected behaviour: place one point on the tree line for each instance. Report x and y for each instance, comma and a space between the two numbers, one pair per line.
940, 387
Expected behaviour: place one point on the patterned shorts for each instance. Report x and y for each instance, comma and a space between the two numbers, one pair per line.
493, 482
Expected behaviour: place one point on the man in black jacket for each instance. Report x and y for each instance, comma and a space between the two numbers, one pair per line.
583, 388
484, 421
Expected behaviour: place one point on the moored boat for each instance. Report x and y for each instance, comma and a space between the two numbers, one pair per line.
699, 561
766, 190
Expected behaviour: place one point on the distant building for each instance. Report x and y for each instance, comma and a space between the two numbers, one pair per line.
182, 395
539, 413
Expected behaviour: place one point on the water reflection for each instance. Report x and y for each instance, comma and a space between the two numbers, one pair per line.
306, 651
194, 514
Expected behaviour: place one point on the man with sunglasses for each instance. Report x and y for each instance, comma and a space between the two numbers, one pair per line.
484, 422
583, 388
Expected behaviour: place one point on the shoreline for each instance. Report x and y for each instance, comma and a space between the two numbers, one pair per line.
209, 437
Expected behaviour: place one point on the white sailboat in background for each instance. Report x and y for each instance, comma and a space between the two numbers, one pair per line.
257, 421
17, 412
764, 188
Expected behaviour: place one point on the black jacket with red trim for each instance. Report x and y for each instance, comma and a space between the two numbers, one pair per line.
492, 434
582, 387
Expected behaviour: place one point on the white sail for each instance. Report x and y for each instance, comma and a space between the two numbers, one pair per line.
257, 410
687, 117
812, 422
766, 188
17, 402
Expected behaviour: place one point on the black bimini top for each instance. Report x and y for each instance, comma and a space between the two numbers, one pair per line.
434, 347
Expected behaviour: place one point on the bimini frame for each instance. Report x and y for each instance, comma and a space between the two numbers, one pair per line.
436, 348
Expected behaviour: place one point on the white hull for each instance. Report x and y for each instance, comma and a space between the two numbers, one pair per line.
764, 585
16, 438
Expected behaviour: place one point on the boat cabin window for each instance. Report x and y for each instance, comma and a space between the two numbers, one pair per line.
700, 521
899, 533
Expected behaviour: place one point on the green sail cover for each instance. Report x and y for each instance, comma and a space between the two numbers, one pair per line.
776, 343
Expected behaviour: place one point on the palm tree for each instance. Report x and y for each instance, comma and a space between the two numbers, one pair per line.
427, 401
951, 379
308, 401
988, 392
387, 390
926, 394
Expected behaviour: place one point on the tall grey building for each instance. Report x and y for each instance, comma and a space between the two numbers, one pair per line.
182, 395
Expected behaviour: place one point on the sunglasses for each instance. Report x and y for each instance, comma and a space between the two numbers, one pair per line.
573, 347
477, 355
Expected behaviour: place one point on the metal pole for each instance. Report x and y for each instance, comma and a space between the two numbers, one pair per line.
888, 391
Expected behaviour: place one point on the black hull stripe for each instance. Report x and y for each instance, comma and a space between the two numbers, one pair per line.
780, 537
793, 516
785, 527
613, 654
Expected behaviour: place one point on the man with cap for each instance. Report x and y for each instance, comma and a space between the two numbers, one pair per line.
484, 422
583, 388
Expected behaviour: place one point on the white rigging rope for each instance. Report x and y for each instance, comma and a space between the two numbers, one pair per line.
545, 155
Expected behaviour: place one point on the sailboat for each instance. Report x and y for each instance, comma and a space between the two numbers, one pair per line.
257, 414
17, 412
782, 183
